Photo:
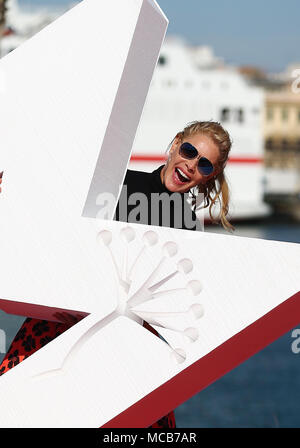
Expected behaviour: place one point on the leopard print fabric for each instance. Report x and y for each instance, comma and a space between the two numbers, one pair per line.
35, 334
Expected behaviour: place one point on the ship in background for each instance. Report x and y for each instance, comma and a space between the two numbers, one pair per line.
189, 84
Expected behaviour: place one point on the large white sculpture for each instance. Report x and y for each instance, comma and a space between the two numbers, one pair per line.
69, 111
216, 300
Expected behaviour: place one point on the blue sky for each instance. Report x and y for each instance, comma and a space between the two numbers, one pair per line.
265, 33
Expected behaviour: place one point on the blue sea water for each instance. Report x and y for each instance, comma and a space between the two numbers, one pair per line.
264, 391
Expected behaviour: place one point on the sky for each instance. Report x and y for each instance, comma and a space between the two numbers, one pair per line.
263, 33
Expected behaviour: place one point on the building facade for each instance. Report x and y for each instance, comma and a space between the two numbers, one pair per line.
282, 129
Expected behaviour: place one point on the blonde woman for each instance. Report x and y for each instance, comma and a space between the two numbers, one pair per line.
196, 162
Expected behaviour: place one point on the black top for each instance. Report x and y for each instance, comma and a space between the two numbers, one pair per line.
145, 199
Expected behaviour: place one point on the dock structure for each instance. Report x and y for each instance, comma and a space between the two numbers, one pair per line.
282, 151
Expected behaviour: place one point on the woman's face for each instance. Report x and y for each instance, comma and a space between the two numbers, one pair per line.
180, 174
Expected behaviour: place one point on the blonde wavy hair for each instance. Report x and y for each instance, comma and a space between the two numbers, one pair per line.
215, 190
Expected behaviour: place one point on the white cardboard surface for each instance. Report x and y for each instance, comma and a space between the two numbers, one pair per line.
108, 364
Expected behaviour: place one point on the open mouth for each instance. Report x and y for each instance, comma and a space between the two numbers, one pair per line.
183, 178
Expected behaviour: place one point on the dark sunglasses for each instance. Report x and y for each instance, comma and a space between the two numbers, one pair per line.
188, 151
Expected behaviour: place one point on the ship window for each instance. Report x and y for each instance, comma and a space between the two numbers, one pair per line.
189, 83
269, 143
270, 114
240, 115
225, 114
162, 60
170, 83
284, 114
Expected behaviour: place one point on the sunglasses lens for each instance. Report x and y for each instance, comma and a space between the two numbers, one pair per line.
205, 166
188, 151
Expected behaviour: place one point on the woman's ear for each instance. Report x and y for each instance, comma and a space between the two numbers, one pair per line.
175, 144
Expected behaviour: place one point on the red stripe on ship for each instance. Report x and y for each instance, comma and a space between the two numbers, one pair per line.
211, 367
163, 158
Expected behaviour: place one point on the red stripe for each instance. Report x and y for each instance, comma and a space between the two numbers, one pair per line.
211, 367
148, 158
163, 158
245, 160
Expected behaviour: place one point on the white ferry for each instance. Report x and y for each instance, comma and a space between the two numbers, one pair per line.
189, 84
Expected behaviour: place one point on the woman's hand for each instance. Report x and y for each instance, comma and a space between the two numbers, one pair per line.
68, 319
